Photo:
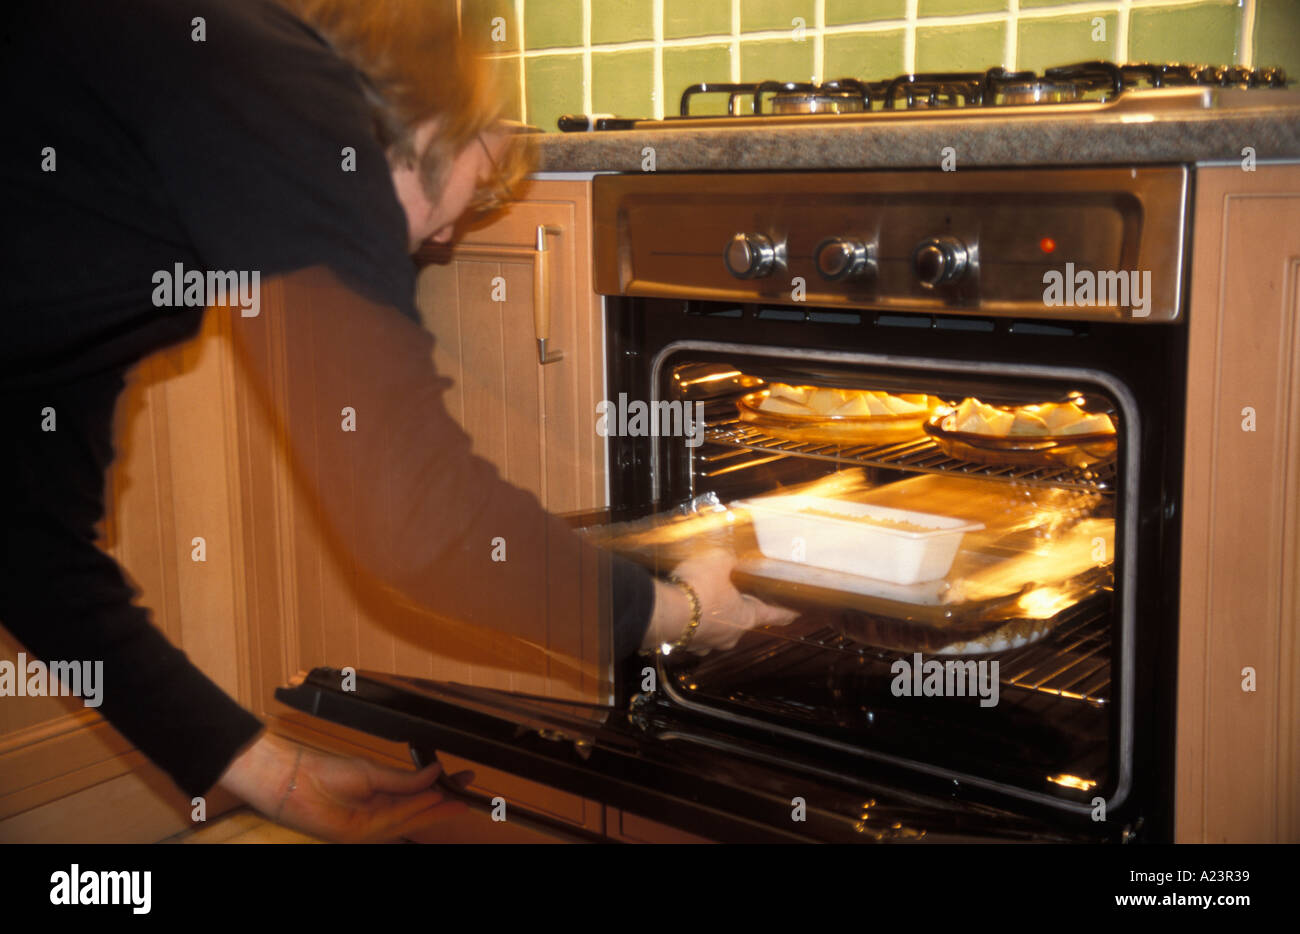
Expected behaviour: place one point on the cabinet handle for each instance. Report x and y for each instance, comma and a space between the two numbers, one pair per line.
542, 296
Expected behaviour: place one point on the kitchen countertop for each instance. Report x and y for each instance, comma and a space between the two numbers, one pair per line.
1271, 127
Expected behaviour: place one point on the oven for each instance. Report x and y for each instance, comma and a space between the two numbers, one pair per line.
835, 370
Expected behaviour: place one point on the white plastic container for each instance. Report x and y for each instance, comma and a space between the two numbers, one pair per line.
829, 533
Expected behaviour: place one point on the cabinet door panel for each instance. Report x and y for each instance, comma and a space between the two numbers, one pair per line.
1238, 749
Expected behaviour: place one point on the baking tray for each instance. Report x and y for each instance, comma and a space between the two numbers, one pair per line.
1023, 450
1042, 552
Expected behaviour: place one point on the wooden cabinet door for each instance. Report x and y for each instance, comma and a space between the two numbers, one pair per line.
535, 422
1238, 758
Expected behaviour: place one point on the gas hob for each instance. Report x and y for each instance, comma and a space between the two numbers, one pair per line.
1081, 89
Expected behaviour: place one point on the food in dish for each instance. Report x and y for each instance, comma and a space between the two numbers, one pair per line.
784, 399
898, 525
1027, 421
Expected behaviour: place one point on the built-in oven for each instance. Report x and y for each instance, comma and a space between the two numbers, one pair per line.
939, 415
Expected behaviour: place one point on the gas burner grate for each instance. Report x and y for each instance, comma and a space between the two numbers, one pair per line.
1094, 82
918, 456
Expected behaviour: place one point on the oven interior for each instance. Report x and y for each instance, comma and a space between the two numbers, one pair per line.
1032, 601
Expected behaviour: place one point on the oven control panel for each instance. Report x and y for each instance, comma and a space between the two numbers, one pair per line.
1073, 244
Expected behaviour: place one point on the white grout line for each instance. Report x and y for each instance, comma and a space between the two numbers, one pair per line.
1121, 32
657, 81
1011, 43
819, 40
909, 38
971, 19
586, 57
1010, 18
1246, 54
523, 79
735, 41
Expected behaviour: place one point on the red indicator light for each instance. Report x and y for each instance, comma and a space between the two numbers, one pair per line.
1047, 245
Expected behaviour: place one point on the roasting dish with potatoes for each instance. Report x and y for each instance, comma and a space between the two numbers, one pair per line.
1038, 435
837, 416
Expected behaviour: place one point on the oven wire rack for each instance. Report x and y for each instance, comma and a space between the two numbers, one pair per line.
920, 455
1071, 664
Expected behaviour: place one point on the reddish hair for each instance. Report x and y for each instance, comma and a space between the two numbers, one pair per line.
420, 68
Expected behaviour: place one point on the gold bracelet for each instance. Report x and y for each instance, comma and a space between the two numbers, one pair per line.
668, 648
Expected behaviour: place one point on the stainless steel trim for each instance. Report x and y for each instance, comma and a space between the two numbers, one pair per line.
1151, 100
1131, 423
660, 235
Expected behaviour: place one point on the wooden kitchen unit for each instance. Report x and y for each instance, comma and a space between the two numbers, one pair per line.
201, 457
1238, 760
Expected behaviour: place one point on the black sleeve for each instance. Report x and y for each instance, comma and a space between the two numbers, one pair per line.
66, 600
633, 594
225, 149
261, 138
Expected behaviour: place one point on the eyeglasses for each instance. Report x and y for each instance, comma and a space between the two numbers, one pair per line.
493, 196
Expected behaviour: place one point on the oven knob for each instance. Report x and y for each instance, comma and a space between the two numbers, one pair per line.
939, 260
838, 258
749, 256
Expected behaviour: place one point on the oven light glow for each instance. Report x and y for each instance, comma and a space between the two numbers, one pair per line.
1072, 781
711, 378
1047, 245
1044, 602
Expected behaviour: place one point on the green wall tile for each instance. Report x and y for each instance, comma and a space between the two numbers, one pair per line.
1277, 36
684, 67
756, 15
1205, 33
870, 55
845, 12
620, 20
476, 24
960, 48
505, 72
621, 83
554, 87
957, 7
776, 60
1039, 3
552, 24
1043, 43
696, 18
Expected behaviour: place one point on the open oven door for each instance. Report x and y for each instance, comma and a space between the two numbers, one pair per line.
655, 762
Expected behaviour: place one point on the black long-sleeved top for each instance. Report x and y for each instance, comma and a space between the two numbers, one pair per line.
134, 145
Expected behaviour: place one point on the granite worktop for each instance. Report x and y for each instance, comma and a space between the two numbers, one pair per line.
1268, 124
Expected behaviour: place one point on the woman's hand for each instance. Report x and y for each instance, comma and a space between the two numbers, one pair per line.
725, 613
347, 800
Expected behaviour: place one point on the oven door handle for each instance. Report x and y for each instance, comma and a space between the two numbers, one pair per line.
542, 295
